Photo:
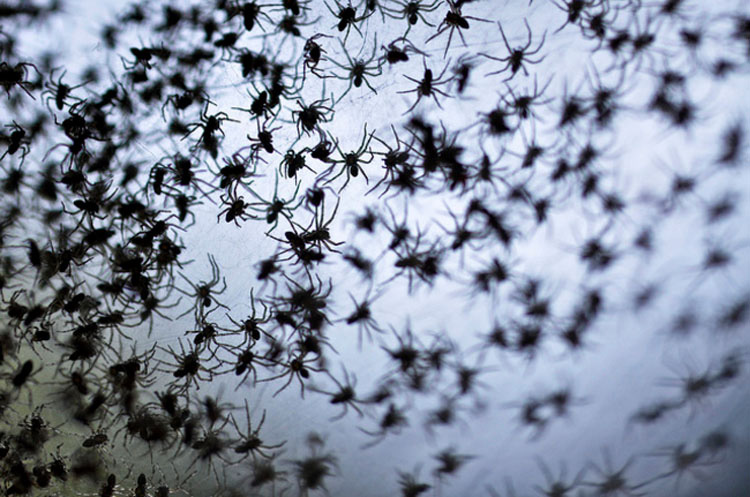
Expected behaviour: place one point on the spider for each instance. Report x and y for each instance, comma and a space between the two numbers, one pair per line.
413, 11
345, 396
251, 14
557, 487
312, 470
264, 140
59, 91
260, 106
235, 172
518, 56
204, 293
392, 421
352, 160
613, 482
347, 17
450, 462
292, 163
394, 54
317, 233
322, 151
17, 140
210, 445
276, 206
358, 70
313, 53
210, 125
427, 87
683, 460
296, 367
235, 210
575, 10
523, 104
362, 317
250, 444
393, 159
310, 116
454, 20
11, 76
250, 327
188, 365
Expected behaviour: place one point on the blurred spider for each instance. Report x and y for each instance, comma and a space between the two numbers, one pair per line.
423, 264
392, 421
393, 159
450, 462
614, 482
345, 396
517, 57
362, 317
11, 76
575, 10
17, 140
312, 471
685, 460
557, 487
523, 104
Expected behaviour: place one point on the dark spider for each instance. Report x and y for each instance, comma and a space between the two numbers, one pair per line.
313, 53
357, 70
205, 292
348, 18
249, 443
428, 86
454, 20
352, 161
519, 56
310, 116
412, 11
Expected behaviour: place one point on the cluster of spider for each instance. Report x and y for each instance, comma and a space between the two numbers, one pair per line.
92, 227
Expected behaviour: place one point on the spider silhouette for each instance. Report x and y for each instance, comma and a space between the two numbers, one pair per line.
518, 57
453, 21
